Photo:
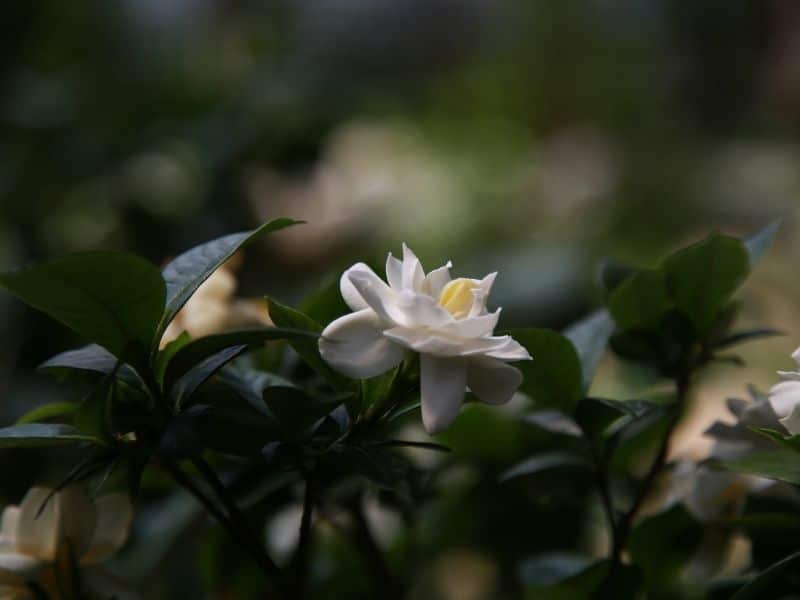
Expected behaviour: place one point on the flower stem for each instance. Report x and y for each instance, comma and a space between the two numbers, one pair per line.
625, 525
238, 520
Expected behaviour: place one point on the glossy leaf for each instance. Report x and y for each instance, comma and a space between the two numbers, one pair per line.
188, 272
114, 300
553, 378
554, 421
545, 462
199, 374
307, 348
55, 410
703, 277
640, 301
782, 465
767, 583
194, 353
590, 337
37, 435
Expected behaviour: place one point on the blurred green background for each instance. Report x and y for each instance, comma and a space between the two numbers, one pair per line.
524, 136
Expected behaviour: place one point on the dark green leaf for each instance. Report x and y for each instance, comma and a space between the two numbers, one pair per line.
308, 348
325, 304
640, 301
114, 300
554, 421
663, 543
198, 351
783, 465
745, 336
36, 435
613, 272
703, 277
168, 353
545, 462
188, 384
553, 378
561, 576
590, 338
188, 272
48, 412
760, 242
790, 442
92, 358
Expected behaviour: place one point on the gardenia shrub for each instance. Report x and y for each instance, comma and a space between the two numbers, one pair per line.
321, 405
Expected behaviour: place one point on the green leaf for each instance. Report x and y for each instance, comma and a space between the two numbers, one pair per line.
768, 583
197, 376
188, 272
741, 337
326, 304
760, 242
613, 272
703, 277
308, 349
554, 421
38, 435
92, 359
640, 301
562, 576
554, 377
545, 462
168, 353
48, 411
790, 442
114, 300
590, 337
663, 543
194, 353
783, 465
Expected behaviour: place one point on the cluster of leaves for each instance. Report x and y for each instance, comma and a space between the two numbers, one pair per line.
672, 320
282, 414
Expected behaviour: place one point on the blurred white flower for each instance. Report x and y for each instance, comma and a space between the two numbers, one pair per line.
214, 308
443, 319
69, 521
785, 397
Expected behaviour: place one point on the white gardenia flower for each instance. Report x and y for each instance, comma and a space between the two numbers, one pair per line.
785, 397
30, 541
443, 319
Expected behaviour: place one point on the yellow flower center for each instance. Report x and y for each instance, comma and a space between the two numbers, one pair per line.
457, 297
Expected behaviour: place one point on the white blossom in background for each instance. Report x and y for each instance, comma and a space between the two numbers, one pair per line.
445, 320
785, 397
32, 541
214, 308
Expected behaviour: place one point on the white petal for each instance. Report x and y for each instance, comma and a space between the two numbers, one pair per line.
114, 518
443, 385
350, 294
355, 345
784, 397
377, 294
413, 275
69, 516
790, 375
8, 528
473, 327
439, 343
796, 356
437, 279
394, 272
493, 381
480, 295
509, 350
792, 421
14, 566
420, 310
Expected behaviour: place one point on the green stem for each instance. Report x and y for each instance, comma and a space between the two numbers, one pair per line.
625, 525
238, 520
